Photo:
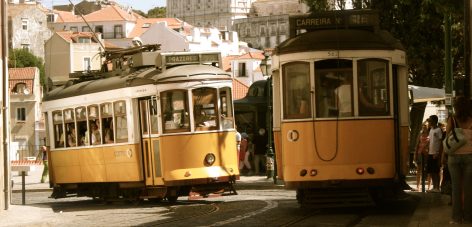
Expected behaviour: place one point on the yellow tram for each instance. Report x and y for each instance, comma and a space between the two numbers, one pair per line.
159, 131
340, 109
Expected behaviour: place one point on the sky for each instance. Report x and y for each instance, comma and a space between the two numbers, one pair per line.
143, 5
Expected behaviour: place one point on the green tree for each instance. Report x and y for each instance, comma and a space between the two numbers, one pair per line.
158, 12
20, 58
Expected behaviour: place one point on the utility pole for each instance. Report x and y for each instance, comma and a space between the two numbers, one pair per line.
467, 47
4, 108
448, 62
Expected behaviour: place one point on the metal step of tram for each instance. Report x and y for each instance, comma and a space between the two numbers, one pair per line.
332, 198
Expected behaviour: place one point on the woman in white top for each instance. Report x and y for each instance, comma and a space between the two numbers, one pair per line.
460, 164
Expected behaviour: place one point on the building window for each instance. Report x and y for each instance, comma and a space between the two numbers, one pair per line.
74, 29
87, 65
50, 18
25, 47
242, 69
21, 114
118, 32
24, 23
20, 88
84, 40
99, 29
86, 29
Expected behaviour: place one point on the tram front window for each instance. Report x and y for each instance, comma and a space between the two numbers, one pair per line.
58, 129
226, 109
174, 109
334, 88
205, 109
296, 80
373, 87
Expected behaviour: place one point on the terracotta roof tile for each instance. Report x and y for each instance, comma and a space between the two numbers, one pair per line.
21, 75
110, 13
71, 37
227, 62
239, 89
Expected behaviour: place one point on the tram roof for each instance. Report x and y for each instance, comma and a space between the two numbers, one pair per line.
191, 72
141, 77
340, 39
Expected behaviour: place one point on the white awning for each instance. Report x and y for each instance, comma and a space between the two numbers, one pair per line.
426, 94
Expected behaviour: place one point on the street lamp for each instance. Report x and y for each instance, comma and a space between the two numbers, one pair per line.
265, 66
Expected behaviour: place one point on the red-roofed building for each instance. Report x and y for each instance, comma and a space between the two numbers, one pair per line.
68, 52
25, 112
111, 21
245, 68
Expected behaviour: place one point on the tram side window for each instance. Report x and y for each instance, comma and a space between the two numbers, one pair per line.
121, 121
226, 109
373, 87
205, 108
106, 115
144, 120
296, 90
154, 115
93, 135
58, 129
334, 88
71, 132
174, 110
81, 117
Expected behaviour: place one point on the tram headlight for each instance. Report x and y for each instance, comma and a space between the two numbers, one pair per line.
360, 171
313, 172
210, 159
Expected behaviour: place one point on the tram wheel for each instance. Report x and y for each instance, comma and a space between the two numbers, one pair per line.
172, 199
155, 200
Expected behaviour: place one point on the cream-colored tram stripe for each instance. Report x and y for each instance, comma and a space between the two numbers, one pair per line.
270, 205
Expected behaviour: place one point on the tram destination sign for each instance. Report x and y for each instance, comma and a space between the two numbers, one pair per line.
334, 20
191, 58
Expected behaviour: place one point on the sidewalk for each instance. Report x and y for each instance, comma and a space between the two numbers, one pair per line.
32, 181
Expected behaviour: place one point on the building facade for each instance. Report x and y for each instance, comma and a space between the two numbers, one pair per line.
209, 13
68, 52
267, 25
26, 122
27, 26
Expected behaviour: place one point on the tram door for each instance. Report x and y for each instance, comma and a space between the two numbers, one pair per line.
150, 141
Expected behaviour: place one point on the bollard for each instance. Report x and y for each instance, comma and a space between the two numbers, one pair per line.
23, 189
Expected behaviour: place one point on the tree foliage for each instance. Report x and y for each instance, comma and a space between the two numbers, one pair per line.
21, 58
157, 12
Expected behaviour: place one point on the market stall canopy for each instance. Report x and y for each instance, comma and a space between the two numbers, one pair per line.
425, 94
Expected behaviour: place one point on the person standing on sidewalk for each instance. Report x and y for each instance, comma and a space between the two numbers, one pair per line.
422, 146
44, 153
434, 153
460, 164
260, 149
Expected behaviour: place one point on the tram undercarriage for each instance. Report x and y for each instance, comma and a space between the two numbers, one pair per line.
138, 191
348, 194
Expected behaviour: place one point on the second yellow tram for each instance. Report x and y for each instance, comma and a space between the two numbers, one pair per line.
340, 109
